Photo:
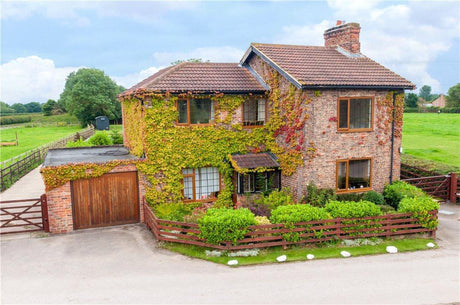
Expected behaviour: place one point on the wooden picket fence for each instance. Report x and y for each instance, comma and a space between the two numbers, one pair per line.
262, 236
13, 169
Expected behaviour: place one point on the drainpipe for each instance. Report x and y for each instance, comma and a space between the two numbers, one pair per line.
392, 138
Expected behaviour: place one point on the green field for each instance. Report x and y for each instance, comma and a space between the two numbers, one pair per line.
32, 137
432, 136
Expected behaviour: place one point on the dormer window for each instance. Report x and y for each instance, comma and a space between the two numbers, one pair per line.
195, 111
254, 112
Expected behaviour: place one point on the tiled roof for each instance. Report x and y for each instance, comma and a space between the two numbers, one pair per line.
251, 161
200, 77
321, 66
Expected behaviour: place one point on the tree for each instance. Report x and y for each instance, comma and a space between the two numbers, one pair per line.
5, 108
453, 98
48, 107
425, 93
179, 61
33, 107
411, 100
19, 108
89, 93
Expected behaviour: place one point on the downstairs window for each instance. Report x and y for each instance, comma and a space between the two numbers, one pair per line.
201, 184
354, 175
259, 182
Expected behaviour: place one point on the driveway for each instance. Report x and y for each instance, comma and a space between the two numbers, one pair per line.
123, 265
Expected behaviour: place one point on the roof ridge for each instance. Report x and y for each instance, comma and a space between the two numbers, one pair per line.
287, 45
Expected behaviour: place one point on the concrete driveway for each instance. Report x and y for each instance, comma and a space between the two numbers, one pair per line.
123, 265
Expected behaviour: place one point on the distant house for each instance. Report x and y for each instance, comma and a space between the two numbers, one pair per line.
440, 102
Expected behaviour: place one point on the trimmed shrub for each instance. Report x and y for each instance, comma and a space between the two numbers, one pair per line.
225, 225
395, 192
386, 209
100, 138
420, 206
276, 199
7, 120
78, 143
291, 214
374, 197
172, 211
117, 137
262, 220
318, 197
350, 197
352, 209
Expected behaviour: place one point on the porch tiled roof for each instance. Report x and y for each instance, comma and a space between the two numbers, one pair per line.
200, 77
328, 67
252, 161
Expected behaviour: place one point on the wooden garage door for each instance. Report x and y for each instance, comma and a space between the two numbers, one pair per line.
108, 200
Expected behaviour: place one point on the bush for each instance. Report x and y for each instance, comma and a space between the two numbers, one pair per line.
78, 143
350, 197
265, 204
420, 206
374, 197
225, 225
117, 137
386, 209
172, 211
262, 220
318, 197
7, 120
394, 193
352, 209
99, 139
291, 214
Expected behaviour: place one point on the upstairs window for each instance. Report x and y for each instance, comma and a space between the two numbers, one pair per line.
259, 182
254, 112
354, 175
355, 114
195, 111
201, 184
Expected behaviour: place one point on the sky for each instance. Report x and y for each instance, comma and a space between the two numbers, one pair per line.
42, 42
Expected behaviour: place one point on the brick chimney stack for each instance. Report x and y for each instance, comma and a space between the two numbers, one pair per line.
344, 35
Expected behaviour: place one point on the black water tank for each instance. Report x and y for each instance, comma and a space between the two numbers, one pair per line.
102, 123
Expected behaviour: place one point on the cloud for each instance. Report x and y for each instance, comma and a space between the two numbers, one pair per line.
402, 37
32, 79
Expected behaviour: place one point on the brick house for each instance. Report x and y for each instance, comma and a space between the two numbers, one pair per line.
321, 114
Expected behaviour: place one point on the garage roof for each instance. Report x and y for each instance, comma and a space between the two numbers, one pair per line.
96, 154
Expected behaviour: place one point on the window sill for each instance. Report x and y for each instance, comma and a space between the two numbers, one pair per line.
360, 190
354, 130
198, 200
253, 126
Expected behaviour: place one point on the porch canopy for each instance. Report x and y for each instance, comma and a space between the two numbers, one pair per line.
253, 161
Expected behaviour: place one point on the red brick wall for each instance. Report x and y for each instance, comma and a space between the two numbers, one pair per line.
60, 202
331, 145
346, 36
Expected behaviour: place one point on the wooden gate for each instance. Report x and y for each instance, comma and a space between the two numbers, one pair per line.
24, 215
111, 199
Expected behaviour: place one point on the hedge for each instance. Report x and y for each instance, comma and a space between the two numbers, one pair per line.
420, 206
7, 120
395, 192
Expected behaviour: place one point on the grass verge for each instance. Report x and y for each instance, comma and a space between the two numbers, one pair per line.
429, 165
269, 255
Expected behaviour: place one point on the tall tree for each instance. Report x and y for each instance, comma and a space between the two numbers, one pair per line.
33, 107
453, 98
411, 100
425, 93
5, 108
48, 107
89, 93
19, 108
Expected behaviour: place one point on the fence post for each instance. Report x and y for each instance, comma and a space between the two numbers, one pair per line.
453, 187
44, 206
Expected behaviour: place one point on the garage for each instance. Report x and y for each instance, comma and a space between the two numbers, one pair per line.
111, 199
90, 187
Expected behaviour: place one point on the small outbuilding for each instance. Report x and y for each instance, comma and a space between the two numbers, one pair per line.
89, 187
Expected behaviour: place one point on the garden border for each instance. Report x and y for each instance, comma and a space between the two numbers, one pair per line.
262, 236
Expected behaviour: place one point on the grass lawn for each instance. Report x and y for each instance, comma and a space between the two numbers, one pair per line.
30, 138
299, 253
432, 136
